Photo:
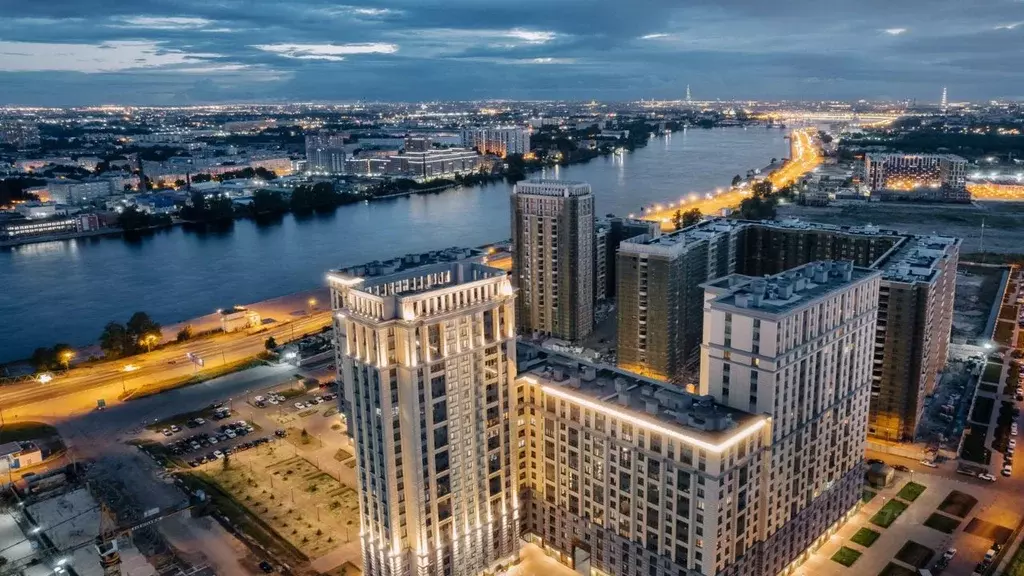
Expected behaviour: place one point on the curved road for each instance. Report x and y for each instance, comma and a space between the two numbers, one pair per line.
108, 380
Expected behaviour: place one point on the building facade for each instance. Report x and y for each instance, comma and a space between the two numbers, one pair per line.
553, 243
659, 296
498, 141
422, 161
797, 346
19, 134
925, 176
427, 361
325, 153
659, 319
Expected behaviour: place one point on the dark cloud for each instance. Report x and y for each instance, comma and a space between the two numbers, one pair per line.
188, 51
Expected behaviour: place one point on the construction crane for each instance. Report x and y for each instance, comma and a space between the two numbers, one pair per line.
106, 543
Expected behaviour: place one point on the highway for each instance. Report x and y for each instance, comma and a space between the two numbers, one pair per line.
804, 157
107, 380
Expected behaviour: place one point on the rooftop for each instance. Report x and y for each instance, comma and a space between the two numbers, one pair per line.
675, 243
69, 520
692, 418
542, 187
917, 259
789, 290
409, 261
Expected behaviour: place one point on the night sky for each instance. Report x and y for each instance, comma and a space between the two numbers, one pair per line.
68, 52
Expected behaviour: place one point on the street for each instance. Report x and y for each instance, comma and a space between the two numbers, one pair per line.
108, 380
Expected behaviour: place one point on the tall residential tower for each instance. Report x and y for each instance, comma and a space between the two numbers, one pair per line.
553, 247
427, 361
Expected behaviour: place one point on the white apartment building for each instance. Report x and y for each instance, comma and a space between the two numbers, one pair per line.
427, 361
72, 192
500, 141
553, 245
933, 176
797, 347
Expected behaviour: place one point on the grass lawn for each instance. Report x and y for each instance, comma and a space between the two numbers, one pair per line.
942, 523
867, 496
24, 431
846, 556
958, 504
914, 554
992, 372
889, 513
865, 537
974, 445
911, 491
1016, 567
982, 412
894, 569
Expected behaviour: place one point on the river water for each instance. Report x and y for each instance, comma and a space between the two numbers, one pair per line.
66, 291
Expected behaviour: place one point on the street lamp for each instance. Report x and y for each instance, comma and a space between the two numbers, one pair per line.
148, 340
65, 358
127, 368
312, 305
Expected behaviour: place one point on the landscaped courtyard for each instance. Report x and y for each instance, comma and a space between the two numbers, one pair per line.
307, 507
865, 537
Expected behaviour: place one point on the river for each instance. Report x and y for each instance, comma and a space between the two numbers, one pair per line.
66, 291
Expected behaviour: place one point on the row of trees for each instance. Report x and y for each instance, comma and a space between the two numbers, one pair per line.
120, 340
131, 218
54, 358
763, 201
683, 219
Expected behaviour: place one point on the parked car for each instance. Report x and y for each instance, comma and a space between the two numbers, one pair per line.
929, 463
901, 468
949, 554
987, 476
1007, 471
167, 432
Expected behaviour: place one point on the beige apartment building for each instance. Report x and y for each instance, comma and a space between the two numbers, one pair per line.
427, 361
659, 322
553, 245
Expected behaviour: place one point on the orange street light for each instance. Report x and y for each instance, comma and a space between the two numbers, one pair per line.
148, 340
65, 358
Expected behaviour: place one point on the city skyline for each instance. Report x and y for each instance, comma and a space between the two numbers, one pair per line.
83, 53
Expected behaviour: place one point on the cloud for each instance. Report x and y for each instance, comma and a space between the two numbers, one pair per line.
531, 36
330, 52
894, 31
1010, 26
163, 22
653, 36
110, 56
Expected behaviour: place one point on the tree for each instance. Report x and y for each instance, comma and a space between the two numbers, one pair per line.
677, 219
227, 461
736, 180
114, 340
270, 344
268, 202
691, 217
43, 359
139, 326
185, 333
762, 189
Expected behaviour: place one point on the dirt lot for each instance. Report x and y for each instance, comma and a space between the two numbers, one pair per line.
313, 511
1004, 221
977, 288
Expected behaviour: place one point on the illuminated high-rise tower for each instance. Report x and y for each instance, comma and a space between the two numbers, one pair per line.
688, 99
944, 103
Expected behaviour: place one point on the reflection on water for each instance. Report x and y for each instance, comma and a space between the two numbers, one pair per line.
67, 291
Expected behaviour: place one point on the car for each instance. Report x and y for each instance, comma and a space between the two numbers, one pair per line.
175, 428
273, 401
231, 434
901, 468
949, 554
200, 421
266, 567
212, 440
929, 463
167, 432
1012, 444
1007, 471
258, 399
986, 476
299, 405
280, 433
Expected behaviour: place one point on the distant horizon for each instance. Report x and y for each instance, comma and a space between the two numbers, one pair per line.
567, 101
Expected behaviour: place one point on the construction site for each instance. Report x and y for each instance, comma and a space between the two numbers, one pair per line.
82, 520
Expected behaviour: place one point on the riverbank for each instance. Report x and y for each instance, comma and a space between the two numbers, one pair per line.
67, 291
